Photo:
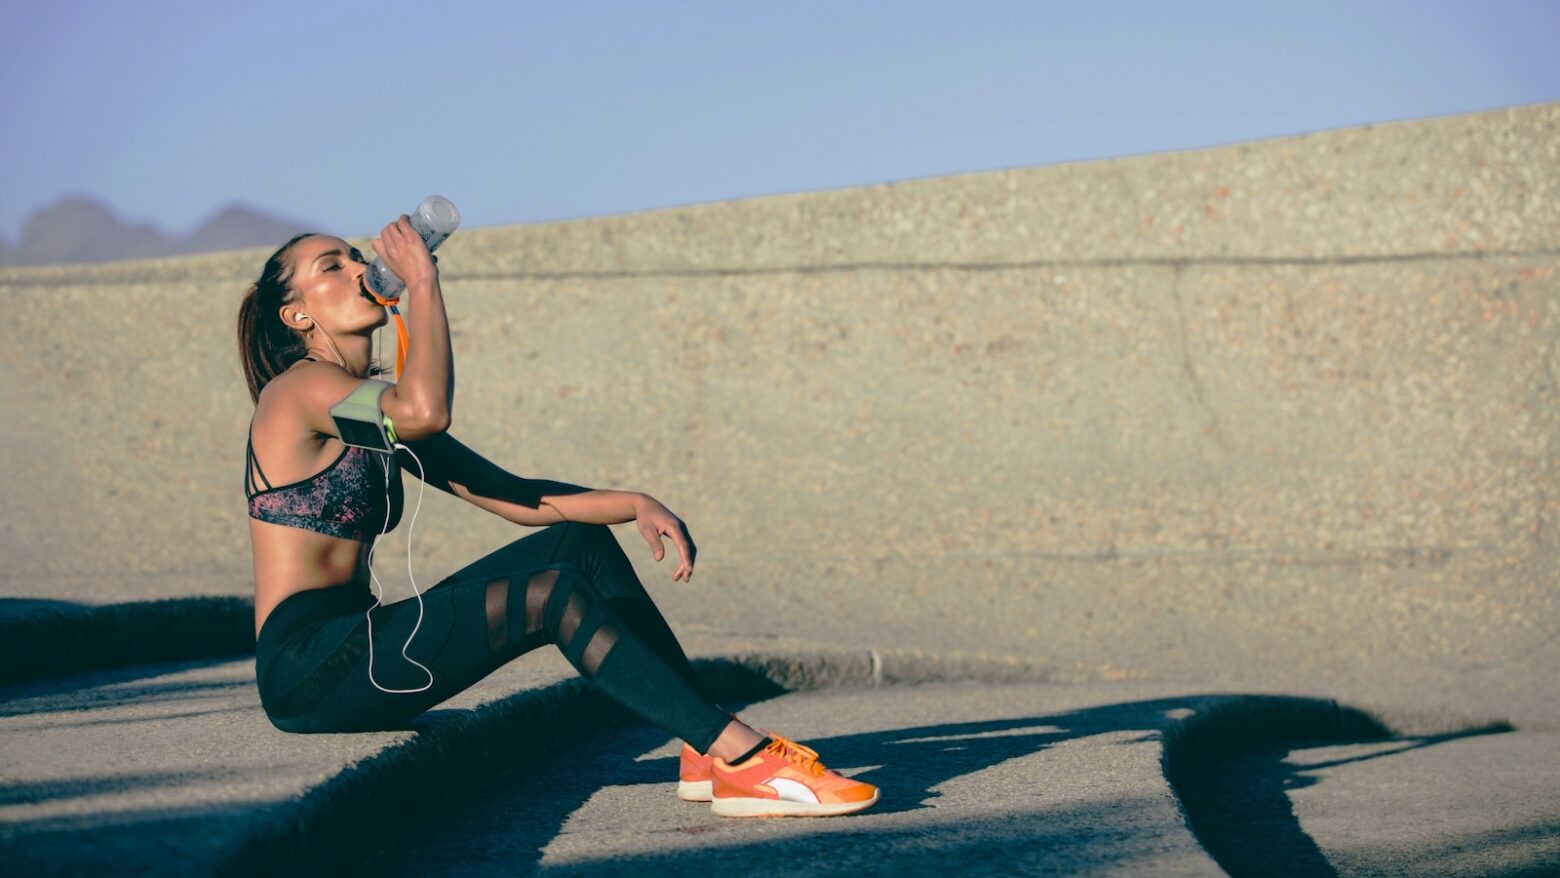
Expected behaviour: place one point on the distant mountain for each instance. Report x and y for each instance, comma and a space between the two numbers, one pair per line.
235, 227
79, 228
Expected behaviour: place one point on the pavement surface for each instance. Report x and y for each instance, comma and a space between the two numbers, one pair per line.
1485, 805
173, 769
976, 780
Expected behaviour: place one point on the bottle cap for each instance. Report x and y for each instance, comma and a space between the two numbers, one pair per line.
441, 213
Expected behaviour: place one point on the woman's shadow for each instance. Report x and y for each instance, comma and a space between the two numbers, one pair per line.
519, 814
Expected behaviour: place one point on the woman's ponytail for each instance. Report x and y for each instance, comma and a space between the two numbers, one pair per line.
266, 345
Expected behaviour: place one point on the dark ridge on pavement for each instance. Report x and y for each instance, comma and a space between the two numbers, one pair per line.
46, 638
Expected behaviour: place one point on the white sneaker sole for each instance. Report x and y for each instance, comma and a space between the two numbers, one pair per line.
695, 791
735, 807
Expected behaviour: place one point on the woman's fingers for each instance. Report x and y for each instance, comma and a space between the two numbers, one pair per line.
399, 246
653, 537
672, 526
685, 551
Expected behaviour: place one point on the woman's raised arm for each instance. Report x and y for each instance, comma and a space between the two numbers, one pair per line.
426, 390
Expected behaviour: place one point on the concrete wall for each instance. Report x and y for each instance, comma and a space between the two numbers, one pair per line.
1278, 404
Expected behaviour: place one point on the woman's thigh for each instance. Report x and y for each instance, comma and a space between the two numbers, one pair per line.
546, 546
467, 626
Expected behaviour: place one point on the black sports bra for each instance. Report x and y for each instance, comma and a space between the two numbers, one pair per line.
346, 499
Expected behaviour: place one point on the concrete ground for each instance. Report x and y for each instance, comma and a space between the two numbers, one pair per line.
1484, 805
976, 780
173, 769
1033, 779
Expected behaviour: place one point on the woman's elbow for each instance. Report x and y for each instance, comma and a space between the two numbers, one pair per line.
439, 422
424, 425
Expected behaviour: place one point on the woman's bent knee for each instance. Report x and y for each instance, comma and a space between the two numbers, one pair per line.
589, 533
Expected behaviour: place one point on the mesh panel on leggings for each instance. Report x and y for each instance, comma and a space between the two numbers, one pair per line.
573, 615
537, 591
582, 615
596, 650
497, 605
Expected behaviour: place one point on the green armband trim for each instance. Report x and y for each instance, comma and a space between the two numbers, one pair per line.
359, 420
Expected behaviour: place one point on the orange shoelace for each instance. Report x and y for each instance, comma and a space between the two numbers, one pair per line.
804, 758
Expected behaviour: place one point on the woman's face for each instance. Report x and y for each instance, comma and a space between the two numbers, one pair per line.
328, 275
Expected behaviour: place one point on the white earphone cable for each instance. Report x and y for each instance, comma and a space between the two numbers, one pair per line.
379, 590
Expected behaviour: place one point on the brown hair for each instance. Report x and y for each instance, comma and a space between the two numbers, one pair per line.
266, 345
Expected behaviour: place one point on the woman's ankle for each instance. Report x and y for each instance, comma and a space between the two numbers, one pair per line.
736, 740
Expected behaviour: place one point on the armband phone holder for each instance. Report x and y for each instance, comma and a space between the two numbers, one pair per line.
359, 420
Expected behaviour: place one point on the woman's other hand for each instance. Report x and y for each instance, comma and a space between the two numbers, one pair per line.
654, 519
404, 253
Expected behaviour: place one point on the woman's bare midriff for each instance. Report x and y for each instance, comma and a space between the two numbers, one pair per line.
289, 560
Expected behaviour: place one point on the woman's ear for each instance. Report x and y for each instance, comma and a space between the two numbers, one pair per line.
295, 319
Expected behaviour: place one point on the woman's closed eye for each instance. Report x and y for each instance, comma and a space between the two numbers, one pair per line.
357, 256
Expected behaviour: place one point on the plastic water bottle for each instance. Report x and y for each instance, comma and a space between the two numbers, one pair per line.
434, 220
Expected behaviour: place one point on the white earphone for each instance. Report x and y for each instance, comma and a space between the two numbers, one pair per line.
378, 590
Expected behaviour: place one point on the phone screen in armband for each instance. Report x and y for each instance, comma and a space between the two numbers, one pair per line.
359, 420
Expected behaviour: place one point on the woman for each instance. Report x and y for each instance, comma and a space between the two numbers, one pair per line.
305, 332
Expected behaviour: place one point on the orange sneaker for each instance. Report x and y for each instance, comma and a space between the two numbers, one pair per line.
785, 779
694, 775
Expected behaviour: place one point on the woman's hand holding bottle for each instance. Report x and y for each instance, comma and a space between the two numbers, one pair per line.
403, 252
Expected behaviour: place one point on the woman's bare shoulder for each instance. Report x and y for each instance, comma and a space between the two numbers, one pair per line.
303, 394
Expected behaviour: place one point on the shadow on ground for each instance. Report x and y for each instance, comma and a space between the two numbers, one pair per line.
1242, 810
45, 638
507, 828
488, 790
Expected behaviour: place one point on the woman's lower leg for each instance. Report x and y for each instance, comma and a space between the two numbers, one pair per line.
560, 603
528, 602
737, 740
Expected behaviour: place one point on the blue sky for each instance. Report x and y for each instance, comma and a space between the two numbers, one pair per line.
346, 114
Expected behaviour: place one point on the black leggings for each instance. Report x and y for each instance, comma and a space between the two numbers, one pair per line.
569, 584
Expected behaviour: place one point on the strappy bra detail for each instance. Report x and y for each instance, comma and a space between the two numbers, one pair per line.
346, 499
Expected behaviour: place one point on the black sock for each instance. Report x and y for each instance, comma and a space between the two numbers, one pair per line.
751, 753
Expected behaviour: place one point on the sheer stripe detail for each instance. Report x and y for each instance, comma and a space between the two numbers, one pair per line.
537, 591
497, 603
598, 649
573, 614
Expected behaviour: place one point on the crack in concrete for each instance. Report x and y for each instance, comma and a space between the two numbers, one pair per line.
1287, 555
1551, 353
1215, 428
164, 276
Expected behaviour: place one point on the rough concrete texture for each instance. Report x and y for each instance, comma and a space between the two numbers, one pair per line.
1069, 776
174, 769
1423, 806
992, 780
42, 638
1037, 779
206, 773
1177, 407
